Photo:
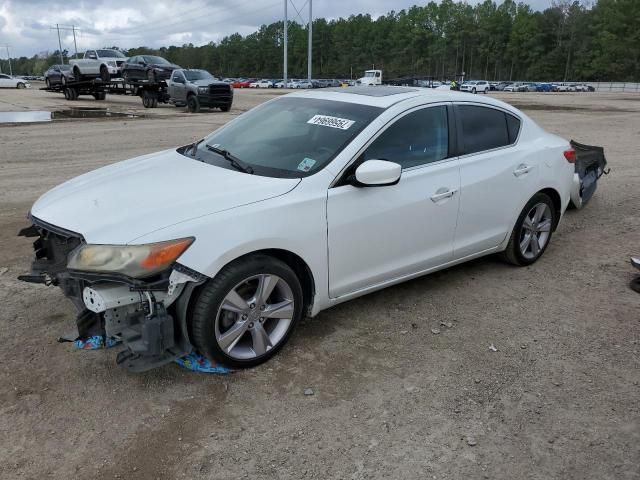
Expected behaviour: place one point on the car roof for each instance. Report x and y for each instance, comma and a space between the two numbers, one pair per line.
386, 96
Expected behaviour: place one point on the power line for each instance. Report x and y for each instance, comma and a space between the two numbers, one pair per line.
72, 28
199, 20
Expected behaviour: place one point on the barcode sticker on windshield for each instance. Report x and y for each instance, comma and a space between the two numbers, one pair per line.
333, 122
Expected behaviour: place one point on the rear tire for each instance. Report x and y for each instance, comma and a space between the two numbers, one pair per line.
210, 321
226, 108
529, 228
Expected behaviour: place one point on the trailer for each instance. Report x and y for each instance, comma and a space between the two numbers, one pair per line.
150, 93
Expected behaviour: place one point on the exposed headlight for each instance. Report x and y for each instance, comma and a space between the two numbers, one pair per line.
112, 64
203, 89
135, 261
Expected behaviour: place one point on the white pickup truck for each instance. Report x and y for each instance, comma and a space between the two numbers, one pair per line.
104, 64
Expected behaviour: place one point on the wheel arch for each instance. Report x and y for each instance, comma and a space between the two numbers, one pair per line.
557, 203
292, 260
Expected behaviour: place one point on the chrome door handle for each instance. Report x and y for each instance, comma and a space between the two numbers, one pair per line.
522, 169
443, 193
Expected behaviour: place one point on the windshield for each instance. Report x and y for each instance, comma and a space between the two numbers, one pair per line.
64, 67
193, 75
288, 137
155, 60
110, 53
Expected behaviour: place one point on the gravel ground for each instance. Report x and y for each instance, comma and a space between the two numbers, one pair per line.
390, 398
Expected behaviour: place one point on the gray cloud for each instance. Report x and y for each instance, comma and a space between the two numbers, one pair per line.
26, 24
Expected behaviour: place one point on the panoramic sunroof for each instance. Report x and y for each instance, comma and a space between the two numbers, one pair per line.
373, 91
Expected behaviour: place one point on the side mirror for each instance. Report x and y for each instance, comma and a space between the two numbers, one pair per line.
377, 173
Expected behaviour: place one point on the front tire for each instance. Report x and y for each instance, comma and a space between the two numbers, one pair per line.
20, 86
193, 104
47, 82
104, 74
246, 314
532, 233
473, 90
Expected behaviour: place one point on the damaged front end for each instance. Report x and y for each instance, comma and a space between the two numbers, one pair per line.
147, 314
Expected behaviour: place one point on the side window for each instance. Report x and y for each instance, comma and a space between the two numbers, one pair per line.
483, 128
4, 76
513, 126
417, 138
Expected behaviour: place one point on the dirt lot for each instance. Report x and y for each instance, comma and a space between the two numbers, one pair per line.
558, 400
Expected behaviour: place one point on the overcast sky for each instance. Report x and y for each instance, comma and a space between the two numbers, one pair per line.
25, 24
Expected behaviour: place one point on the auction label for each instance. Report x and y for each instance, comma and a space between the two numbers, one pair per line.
333, 122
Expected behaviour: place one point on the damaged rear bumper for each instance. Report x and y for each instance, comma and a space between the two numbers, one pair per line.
589, 167
148, 316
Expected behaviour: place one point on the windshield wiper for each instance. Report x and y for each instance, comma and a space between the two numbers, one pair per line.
233, 160
193, 147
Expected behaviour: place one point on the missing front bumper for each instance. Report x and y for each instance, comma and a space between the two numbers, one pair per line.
148, 316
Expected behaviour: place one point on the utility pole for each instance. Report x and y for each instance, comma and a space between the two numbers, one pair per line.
285, 43
8, 58
309, 57
75, 45
59, 45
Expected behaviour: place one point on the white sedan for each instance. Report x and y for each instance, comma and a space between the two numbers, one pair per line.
7, 81
306, 201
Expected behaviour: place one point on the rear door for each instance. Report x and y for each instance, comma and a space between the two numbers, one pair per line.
497, 177
386, 233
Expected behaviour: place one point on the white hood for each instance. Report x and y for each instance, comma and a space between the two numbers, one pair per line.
121, 202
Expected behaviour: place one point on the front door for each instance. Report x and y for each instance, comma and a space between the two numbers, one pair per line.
377, 234
178, 87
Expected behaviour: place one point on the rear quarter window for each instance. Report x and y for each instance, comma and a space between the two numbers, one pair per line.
485, 128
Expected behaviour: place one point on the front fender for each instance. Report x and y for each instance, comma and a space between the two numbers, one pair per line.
289, 222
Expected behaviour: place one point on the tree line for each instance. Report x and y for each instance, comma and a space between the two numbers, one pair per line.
506, 41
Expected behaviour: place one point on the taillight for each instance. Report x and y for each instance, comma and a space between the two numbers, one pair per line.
570, 155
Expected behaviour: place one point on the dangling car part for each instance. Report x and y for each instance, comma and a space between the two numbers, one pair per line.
635, 283
590, 164
142, 313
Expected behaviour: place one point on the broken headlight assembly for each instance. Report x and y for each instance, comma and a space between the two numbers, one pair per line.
136, 261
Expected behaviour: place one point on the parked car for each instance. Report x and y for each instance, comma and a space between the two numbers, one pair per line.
475, 86
544, 87
101, 63
194, 247
502, 85
149, 68
242, 83
304, 84
529, 87
58, 75
198, 88
264, 83
514, 87
7, 81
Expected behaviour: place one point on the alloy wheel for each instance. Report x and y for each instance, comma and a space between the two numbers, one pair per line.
254, 316
536, 230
